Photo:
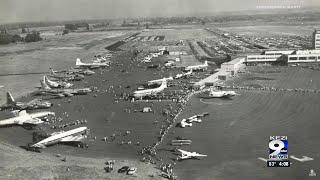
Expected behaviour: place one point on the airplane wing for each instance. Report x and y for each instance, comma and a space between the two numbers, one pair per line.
33, 121
200, 155
183, 152
72, 138
23, 113
34, 101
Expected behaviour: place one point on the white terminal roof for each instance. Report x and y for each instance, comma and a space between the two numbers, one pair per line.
235, 61
305, 52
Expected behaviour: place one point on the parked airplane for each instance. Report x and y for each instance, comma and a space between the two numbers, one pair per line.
188, 155
66, 77
74, 135
56, 84
24, 118
184, 123
80, 71
101, 60
184, 75
159, 81
45, 89
34, 104
149, 92
218, 94
197, 67
91, 65
169, 64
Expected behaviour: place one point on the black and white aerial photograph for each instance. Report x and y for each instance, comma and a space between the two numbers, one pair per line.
159, 89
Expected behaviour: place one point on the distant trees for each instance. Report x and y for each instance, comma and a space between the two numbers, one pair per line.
23, 30
73, 27
65, 31
33, 37
8, 38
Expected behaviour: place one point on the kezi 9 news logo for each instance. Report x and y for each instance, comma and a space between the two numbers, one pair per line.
278, 147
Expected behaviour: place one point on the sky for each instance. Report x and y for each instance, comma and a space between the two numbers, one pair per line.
51, 10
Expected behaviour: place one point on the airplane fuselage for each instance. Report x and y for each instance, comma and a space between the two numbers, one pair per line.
20, 120
71, 135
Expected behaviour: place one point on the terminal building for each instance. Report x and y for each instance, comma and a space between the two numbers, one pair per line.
285, 57
289, 56
233, 66
227, 70
316, 39
304, 56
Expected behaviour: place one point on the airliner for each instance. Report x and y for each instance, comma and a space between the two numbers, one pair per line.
33, 104
56, 84
197, 67
218, 94
24, 118
159, 81
188, 155
91, 65
148, 92
184, 75
46, 90
74, 135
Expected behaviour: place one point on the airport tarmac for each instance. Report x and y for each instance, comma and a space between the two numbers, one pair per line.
234, 135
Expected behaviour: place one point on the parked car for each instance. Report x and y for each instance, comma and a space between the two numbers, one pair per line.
123, 169
131, 171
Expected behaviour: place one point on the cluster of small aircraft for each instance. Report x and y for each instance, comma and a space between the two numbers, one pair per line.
140, 93
55, 84
188, 121
182, 154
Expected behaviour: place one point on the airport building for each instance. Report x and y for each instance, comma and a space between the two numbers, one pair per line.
233, 66
227, 70
304, 56
262, 58
285, 52
316, 39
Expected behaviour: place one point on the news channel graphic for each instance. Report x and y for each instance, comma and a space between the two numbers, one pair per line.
278, 152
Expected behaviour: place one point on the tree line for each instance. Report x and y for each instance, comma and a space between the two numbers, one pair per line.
6, 38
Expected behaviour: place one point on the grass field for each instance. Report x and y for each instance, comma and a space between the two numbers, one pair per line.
279, 77
56, 51
270, 30
178, 34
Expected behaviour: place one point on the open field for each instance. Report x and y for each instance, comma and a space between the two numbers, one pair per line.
17, 163
178, 34
270, 30
58, 52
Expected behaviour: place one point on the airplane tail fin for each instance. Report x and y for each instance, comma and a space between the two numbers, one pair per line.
206, 63
78, 62
164, 84
52, 71
10, 99
23, 112
44, 85
46, 80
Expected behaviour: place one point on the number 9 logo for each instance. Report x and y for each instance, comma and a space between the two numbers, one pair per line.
276, 145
